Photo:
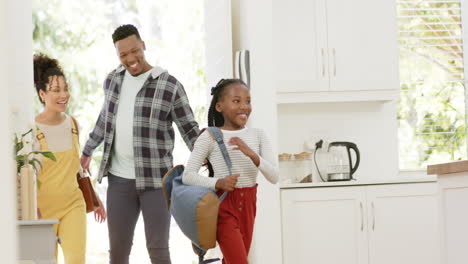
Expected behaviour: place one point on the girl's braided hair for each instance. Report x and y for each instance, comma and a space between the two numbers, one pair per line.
215, 118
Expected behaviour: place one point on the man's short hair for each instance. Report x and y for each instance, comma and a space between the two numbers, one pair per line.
125, 31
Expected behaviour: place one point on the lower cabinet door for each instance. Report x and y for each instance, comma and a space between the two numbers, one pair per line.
453, 189
403, 224
324, 225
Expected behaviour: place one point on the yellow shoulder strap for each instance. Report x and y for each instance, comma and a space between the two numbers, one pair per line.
75, 133
41, 138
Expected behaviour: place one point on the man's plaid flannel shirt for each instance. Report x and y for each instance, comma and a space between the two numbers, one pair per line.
161, 101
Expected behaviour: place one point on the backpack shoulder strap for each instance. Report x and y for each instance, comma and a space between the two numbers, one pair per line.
218, 136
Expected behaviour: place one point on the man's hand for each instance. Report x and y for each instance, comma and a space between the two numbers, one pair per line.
227, 183
100, 212
85, 161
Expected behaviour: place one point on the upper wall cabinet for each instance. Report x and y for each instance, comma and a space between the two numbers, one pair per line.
335, 50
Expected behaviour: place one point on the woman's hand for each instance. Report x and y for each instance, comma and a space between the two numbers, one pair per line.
100, 212
85, 161
227, 183
244, 148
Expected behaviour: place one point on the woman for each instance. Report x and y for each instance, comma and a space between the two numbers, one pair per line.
59, 196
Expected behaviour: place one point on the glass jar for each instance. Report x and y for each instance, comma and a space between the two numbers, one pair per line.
303, 167
286, 168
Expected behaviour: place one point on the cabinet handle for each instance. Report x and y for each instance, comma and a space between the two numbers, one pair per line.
373, 216
362, 217
334, 62
323, 62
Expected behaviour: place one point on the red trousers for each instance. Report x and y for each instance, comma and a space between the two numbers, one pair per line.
236, 218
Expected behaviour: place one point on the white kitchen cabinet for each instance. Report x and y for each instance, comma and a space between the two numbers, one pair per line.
325, 49
299, 46
323, 226
454, 217
403, 224
373, 224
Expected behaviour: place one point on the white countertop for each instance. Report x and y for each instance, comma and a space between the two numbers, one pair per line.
38, 222
396, 180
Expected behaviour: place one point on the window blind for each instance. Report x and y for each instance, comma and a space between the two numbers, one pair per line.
431, 110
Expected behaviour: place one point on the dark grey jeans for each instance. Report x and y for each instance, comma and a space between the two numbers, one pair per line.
123, 209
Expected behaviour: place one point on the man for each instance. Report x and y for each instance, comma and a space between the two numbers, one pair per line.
135, 123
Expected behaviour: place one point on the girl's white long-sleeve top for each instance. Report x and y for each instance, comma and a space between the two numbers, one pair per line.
207, 148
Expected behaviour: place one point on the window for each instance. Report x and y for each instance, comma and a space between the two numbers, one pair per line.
431, 114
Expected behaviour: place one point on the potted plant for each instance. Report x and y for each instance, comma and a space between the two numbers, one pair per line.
27, 166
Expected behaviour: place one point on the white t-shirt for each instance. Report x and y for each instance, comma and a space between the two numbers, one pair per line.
122, 162
206, 148
58, 137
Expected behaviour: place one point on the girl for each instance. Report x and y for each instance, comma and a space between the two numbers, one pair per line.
249, 151
59, 196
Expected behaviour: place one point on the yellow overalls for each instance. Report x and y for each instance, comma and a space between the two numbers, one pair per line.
59, 197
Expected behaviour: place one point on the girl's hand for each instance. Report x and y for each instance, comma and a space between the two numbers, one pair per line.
100, 212
244, 148
227, 183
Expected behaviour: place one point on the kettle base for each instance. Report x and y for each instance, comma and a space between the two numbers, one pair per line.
339, 177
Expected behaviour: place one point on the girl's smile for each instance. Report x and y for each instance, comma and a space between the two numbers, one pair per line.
235, 106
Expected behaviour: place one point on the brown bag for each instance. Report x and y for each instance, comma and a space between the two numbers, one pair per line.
89, 195
85, 185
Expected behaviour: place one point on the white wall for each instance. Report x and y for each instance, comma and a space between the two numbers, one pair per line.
218, 41
7, 221
16, 108
371, 125
252, 31
20, 66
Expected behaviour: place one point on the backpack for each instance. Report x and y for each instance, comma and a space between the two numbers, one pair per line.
195, 208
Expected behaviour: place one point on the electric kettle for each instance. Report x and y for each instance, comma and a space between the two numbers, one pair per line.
336, 160
340, 166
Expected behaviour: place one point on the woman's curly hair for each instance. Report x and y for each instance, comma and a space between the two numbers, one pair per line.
44, 68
